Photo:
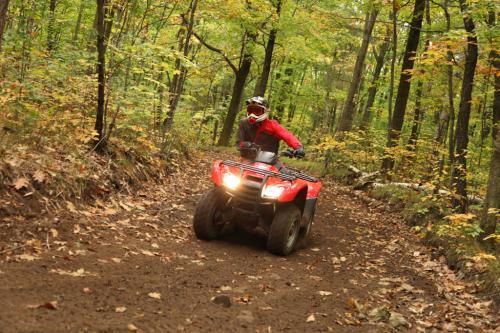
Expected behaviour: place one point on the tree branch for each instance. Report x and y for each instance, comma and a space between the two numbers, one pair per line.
213, 48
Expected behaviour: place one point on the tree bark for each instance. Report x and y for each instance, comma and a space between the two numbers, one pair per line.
372, 91
4, 6
176, 87
404, 81
346, 119
101, 69
261, 86
489, 219
234, 105
51, 38
79, 21
459, 173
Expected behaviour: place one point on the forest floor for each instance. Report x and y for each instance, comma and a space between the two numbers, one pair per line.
132, 263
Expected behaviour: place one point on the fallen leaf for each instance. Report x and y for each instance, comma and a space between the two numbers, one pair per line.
311, 318
49, 305
71, 207
131, 327
147, 253
120, 309
27, 257
110, 211
117, 260
39, 176
78, 273
20, 183
54, 233
396, 320
155, 295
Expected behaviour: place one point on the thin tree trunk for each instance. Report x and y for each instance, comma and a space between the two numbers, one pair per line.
261, 86
51, 38
346, 119
181, 70
459, 174
79, 20
372, 91
4, 6
490, 219
418, 115
292, 107
101, 63
404, 80
394, 16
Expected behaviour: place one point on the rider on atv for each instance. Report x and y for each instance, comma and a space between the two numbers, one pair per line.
258, 129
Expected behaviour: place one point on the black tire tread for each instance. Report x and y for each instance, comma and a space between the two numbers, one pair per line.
203, 216
278, 232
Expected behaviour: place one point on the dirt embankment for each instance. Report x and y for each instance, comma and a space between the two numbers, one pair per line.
132, 263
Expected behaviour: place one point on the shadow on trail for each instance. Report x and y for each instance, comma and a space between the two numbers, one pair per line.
240, 238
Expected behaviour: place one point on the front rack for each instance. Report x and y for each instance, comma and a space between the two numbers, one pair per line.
289, 177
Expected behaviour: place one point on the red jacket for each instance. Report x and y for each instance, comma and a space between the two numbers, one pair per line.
267, 134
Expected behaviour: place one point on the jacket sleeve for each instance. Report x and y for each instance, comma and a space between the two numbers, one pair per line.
240, 137
286, 136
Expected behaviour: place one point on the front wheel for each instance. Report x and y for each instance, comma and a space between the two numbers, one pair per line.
208, 218
284, 230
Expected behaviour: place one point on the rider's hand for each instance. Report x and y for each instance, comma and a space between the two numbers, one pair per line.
299, 152
246, 145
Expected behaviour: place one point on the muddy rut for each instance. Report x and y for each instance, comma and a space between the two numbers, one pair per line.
132, 264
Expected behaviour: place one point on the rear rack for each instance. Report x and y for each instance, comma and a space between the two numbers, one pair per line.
289, 177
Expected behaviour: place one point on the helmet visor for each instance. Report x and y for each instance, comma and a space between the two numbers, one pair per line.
256, 110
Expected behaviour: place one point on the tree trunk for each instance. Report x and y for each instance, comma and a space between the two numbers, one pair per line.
462, 137
51, 35
101, 63
346, 119
177, 84
234, 105
4, 5
418, 115
260, 87
490, 218
404, 81
79, 20
372, 91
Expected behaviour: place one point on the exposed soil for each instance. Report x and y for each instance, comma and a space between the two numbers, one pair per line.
133, 264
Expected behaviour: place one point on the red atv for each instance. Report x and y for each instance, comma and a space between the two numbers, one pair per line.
259, 193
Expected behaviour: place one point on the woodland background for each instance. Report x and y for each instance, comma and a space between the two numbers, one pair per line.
406, 92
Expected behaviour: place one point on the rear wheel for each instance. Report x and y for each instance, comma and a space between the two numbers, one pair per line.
208, 218
284, 230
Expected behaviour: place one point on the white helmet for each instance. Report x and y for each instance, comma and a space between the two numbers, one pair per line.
257, 109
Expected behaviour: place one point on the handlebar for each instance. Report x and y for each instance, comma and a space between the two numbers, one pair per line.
290, 153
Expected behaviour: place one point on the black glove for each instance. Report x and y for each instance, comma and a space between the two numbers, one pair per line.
299, 152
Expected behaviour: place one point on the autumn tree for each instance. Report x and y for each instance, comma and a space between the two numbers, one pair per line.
405, 81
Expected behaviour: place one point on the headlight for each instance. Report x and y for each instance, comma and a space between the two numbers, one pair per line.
272, 192
230, 181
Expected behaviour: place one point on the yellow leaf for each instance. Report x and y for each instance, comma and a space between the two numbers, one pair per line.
155, 295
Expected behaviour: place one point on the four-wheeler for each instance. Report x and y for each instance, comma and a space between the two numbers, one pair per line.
259, 193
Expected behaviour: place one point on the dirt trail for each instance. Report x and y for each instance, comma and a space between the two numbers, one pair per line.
136, 266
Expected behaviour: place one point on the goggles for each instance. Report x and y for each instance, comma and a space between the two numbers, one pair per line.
256, 110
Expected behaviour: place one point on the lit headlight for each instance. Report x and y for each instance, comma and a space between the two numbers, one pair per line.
272, 192
230, 181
